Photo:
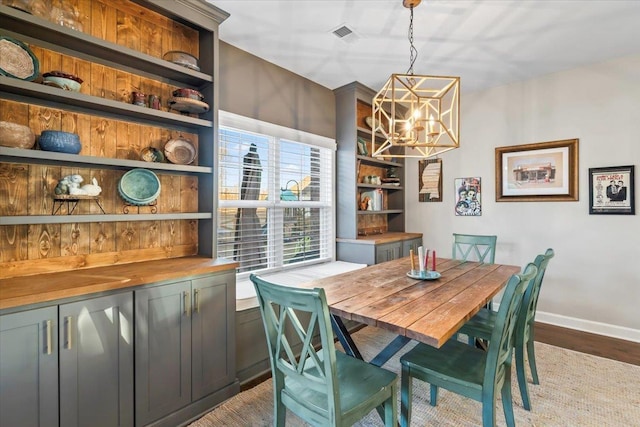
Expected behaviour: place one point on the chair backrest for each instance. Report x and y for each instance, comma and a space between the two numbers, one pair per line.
289, 312
501, 343
530, 299
473, 247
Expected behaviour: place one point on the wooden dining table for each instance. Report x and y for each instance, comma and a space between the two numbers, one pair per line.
429, 311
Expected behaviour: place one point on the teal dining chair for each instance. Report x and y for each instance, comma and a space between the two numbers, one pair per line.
482, 324
475, 247
324, 387
467, 370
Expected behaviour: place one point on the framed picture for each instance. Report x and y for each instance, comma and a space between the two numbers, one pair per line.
468, 196
541, 172
430, 180
611, 191
362, 147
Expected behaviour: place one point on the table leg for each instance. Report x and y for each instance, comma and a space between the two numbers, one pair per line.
344, 337
392, 348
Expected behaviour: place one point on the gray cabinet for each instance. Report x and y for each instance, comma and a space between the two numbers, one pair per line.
388, 252
185, 346
353, 105
364, 235
96, 362
29, 368
71, 363
411, 244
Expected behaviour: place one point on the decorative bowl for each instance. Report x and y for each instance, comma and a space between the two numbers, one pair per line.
139, 187
16, 136
62, 80
182, 58
152, 154
180, 151
61, 142
188, 93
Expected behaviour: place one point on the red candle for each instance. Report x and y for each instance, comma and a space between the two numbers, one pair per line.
434, 261
426, 260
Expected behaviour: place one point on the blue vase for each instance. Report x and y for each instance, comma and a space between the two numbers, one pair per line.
61, 142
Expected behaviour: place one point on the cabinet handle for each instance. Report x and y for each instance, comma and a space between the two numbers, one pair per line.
49, 337
185, 302
196, 300
68, 325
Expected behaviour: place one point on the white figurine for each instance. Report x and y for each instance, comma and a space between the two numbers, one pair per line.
92, 189
69, 184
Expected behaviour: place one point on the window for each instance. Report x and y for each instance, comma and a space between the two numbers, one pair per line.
275, 195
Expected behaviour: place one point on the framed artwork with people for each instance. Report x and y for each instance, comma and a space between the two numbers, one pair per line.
468, 192
611, 190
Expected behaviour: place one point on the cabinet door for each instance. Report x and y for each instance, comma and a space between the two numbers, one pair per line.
388, 252
408, 245
29, 368
213, 340
162, 350
96, 362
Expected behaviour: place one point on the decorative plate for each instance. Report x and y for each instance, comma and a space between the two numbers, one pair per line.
152, 154
428, 275
139, 187
369, 121
182, 58
188, 105
17, 60
180, 151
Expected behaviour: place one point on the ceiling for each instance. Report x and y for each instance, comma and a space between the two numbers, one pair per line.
485, 42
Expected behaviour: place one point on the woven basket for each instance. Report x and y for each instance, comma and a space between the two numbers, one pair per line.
17, 60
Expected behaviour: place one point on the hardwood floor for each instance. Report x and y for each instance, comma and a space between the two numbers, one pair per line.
585, 342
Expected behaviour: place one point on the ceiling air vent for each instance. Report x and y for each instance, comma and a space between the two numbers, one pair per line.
342, 31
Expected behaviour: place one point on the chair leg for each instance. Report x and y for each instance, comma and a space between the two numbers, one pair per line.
434, 395
522, 377
279, 410
391, 409
532, 361
406, 394
489, 410
507, 399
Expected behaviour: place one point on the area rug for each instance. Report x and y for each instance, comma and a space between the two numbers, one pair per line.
575, 389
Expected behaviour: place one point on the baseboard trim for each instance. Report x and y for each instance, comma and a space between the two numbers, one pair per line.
613, 331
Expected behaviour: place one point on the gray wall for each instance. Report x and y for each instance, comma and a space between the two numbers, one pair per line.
593, 283
252, 87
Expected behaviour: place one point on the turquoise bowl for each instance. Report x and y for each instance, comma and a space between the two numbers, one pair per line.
139, 187
61, 142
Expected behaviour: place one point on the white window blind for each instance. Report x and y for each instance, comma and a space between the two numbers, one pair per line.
276, 195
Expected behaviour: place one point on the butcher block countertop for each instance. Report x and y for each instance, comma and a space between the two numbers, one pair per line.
24, 290
380, 239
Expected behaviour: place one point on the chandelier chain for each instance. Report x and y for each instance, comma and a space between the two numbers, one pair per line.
413, 52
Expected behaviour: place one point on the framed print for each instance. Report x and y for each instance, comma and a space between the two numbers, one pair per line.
468, 196
611, 191
541, 172
430, 180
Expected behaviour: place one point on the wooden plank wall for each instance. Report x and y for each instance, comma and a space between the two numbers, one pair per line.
27, 189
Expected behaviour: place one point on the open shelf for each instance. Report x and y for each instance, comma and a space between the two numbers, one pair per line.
72, 219
19, 155
29, 92
33, 29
